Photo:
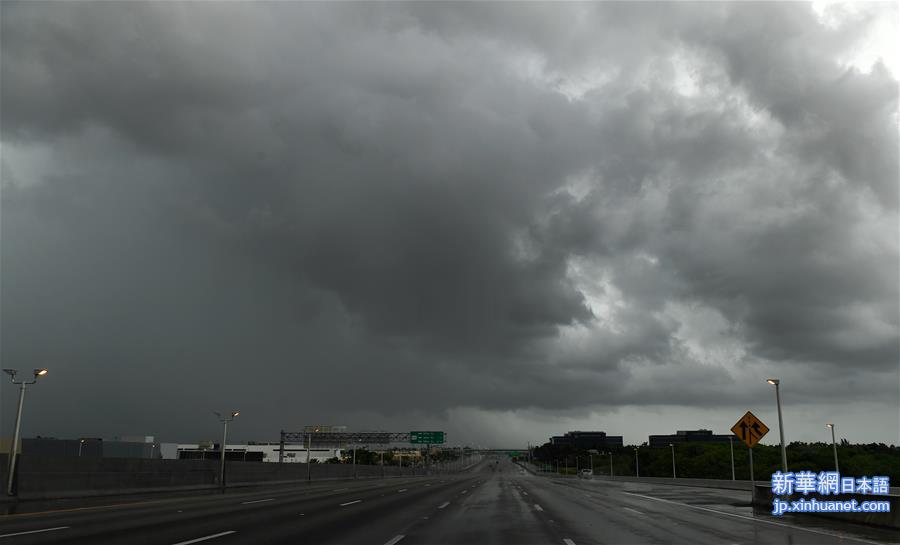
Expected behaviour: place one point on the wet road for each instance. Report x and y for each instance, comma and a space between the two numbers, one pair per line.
504, 506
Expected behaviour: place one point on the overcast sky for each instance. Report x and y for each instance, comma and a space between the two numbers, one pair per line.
500, 220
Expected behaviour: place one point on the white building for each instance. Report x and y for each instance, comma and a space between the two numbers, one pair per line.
293, 453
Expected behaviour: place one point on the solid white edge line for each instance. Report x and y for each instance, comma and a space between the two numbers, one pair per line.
538, 507
753, 519
35, 531
632, 510
199, 539
394, 540
350, 503
257, 501
445, 504
568, 541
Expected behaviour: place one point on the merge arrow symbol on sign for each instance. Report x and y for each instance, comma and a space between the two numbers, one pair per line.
750, 429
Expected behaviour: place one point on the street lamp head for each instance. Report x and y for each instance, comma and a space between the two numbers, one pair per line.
40, 372
829, 425
773, 381
235, 413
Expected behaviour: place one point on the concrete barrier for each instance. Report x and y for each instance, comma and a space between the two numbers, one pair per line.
42, 477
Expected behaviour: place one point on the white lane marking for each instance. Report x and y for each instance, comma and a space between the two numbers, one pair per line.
199, 539
538, 507
395, 540
523, 492
752, 519
350, 503
445, 504
403, 490
302, 514
632, 510
465, 491
257, 501
427, 485
35, 531
568, 541
339, 489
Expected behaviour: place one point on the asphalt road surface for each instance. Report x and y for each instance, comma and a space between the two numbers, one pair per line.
491, 504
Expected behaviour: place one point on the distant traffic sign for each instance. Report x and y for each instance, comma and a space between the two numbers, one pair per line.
750, 429
426, 437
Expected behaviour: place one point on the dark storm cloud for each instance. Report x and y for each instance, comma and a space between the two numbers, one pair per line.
368, 207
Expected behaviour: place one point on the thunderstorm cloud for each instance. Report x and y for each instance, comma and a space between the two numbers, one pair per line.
503, 220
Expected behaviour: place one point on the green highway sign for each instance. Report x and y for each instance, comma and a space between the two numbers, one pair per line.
426, 437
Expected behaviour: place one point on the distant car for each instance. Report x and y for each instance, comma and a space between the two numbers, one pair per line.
586, 474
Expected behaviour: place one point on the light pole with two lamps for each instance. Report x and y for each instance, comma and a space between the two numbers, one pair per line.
13, 450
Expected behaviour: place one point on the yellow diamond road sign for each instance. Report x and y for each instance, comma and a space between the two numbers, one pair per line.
750, 429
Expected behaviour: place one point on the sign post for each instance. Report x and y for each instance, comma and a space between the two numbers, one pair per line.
750, 430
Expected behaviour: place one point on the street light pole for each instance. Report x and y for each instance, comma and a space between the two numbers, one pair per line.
637, 467
776, 382
610, 465
834, 446
80, 445
14, 449
673, 459
224, 420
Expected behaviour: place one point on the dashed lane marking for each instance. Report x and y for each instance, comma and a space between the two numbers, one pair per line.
350, 503
445, 504
632, 510
538, 507
199, 539
35, 531
568, 541
257, 501
394, 540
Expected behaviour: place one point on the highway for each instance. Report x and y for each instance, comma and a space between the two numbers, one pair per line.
504, 506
